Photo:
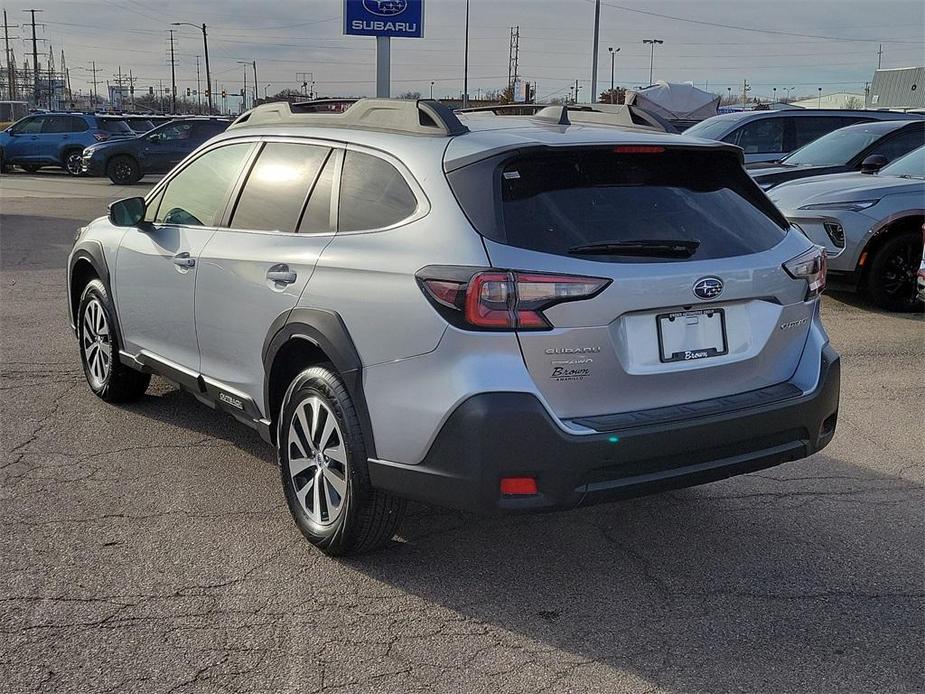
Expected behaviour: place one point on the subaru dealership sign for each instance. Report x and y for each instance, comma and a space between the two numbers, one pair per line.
398, 18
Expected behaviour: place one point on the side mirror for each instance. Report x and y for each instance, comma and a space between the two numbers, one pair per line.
873, 163
127, 212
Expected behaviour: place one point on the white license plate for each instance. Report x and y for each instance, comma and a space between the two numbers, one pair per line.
691, 335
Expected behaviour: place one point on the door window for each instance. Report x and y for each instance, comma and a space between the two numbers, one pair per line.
57, 125
31, 126
760, 136
317, 216
277, 186
196, 196
900, 144
811, 128
372, 194
177, 131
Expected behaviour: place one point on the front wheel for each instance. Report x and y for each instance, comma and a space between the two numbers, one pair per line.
322, 462
891, 282
72, 162
99, 349
123, 170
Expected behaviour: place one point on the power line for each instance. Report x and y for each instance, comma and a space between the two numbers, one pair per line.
741, 28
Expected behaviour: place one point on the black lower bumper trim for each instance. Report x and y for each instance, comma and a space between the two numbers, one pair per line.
495, 435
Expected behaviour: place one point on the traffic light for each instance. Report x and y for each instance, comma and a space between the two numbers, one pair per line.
224, 93
208, 93
242, 93
150, 91
188, 91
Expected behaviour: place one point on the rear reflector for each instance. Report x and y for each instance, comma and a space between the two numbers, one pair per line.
638, 149
518, 486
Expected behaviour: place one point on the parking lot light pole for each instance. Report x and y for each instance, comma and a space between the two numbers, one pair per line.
613, 53
431, 91
205, 48
651, 43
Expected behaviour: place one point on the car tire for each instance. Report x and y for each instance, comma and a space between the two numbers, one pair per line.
29, 168
891, 282
324, 472
72, 162
123, 170
99, 344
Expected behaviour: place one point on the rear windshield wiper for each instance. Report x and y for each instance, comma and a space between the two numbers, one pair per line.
662, 248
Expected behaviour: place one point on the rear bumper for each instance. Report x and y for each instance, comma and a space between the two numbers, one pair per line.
495, 435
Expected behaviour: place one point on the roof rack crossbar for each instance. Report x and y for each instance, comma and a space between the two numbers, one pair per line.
421, 117
617, 115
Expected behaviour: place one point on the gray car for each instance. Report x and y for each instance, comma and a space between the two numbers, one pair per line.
869, 224
493, 313
771, 135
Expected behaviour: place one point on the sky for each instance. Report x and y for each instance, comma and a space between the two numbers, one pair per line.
716, 44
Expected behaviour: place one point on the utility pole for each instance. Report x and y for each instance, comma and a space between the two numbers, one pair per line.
652, 43
95, 95
244, 91
597, 28
198, 89
465, 95
304, 78
205, 48
513, 59
173, 77
880, 56
255, 82
131, 87
745, 90
35, 60
10, 61
577, 90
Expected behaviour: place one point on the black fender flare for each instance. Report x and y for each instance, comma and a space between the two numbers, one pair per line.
327, 331
91, 252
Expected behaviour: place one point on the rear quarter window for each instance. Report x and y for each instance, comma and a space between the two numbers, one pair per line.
373, 194
552, 202
111, 125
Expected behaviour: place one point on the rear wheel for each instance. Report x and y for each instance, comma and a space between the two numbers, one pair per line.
123, 170
322, 462
72, 161
891, 280
99, 349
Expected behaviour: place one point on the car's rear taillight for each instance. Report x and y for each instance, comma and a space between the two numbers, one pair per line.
502, 299
809, 266
100, 136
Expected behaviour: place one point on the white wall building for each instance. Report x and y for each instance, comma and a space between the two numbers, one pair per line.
836, 100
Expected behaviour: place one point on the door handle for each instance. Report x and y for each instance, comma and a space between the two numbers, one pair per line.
183, 260
282, 274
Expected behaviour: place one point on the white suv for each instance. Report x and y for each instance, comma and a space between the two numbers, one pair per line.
479, 311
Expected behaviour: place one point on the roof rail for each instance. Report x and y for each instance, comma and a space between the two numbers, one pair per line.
618, 115
421, 117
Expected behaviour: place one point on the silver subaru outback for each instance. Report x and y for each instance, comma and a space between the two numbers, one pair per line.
491, 313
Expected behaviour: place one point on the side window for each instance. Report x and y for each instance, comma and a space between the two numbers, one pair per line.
56, 124
316, 219
196, 196
372, 194
178, 131
77, 124
277, 185
31, 126
900, 144
813, 127
764, 135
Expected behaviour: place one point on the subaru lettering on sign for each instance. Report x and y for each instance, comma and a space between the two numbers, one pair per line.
398, 18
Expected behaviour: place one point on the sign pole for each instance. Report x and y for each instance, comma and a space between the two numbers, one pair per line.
383, 66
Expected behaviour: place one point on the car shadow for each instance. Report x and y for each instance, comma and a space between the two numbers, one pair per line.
804, 577
859, 301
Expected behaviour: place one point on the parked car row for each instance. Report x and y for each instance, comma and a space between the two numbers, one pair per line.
858, 191
123, 147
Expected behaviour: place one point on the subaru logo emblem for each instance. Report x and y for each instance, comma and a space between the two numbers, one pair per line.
385, 8
708, 287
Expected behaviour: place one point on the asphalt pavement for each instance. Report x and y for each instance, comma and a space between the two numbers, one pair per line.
147, 547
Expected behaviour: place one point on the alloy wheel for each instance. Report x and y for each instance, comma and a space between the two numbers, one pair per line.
72, 163
900, 272
317, 461
97, 343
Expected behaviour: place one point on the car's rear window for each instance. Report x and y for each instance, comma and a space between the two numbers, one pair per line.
553, 202
112, 125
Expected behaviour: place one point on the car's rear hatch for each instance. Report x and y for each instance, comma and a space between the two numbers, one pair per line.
711, 313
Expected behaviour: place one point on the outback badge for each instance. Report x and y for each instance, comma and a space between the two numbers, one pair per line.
708, 287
